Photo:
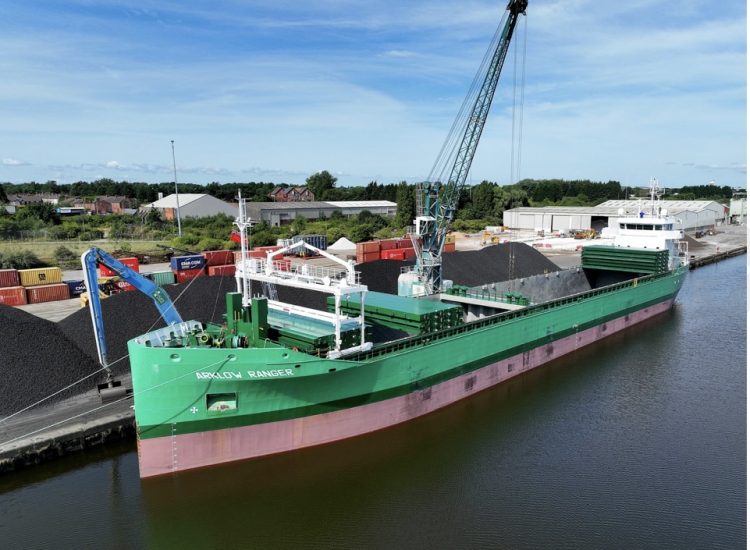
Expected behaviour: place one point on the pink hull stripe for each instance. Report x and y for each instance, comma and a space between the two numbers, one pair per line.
165, 455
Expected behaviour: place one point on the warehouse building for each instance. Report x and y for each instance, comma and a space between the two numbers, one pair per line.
192, 205
692, 215
281, 213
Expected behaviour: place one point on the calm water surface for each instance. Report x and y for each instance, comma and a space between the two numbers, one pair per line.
636, 442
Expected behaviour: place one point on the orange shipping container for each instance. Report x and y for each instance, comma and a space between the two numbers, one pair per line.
9, 277
186, 275
47, 293
388, 244
368, 247
395, 254
132, 263
13, 296
221, 270
218, 257
449, 247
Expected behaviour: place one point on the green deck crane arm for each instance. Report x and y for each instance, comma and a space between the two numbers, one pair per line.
438, 200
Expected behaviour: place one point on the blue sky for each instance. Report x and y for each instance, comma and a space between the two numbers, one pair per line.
277, 90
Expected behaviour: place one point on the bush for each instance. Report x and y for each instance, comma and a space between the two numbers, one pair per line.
25, 259
64, 254
210, 244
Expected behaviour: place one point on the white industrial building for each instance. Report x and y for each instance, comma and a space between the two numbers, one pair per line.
281, 213
192, 205
692, 215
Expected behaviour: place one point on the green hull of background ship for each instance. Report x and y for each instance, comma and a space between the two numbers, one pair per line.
276, 376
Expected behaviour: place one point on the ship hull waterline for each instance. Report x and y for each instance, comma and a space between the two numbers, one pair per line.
185, 451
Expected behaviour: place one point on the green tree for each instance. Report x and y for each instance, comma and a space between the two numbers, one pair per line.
406, 205
320, 184
483, 200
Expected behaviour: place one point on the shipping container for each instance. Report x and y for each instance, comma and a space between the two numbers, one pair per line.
132, 263
124, 286
449, 247
47, 293
409, 253
162, 278
368, 246
184, 275
40, 276
181, 263
388, 244
13, 296
318, 241
218, 257
76, 288
404, 243
221, 270
368, 257
9, 277
393, 254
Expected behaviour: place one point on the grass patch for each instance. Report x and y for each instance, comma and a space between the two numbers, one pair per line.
45, 250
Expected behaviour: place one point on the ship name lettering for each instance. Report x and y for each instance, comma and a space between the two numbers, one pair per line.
274, 373
218, 375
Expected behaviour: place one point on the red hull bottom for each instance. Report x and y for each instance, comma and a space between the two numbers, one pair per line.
166, 455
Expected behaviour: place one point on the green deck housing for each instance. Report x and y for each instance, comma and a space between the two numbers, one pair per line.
413, 315
631, 260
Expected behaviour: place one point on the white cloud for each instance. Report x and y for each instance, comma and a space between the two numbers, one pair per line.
14, 162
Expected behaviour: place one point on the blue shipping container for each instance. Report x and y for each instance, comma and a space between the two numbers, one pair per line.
181, 263
76, 287
318, 241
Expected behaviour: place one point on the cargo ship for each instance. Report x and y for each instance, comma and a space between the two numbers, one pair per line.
275, 377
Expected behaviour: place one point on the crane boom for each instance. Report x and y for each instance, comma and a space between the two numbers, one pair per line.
437, 200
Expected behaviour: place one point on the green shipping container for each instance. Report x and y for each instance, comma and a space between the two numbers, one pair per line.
162, 278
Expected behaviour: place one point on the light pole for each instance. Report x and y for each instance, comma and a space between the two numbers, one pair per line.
176, 194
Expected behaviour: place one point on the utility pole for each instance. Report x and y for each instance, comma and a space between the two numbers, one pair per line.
176, 194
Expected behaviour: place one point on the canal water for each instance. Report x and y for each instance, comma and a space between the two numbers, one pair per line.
636, 442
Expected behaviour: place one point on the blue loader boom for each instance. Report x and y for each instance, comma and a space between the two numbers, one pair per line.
161, 299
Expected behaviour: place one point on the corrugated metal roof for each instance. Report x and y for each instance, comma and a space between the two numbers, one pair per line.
363, 204
612, 207
671, 206
170, 202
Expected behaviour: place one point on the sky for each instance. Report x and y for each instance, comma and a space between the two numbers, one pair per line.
276, 90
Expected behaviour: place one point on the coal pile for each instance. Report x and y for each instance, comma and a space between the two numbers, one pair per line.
130, 314
470, 268
37, 359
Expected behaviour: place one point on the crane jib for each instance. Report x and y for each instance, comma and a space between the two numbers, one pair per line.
437, 203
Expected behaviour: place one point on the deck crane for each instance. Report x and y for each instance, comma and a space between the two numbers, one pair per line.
437, 200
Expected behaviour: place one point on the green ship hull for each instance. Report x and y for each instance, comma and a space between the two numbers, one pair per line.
198, 405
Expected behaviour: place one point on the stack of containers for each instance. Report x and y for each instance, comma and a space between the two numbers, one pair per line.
219, 262
132, 263
186, 268
368, 251
43, 284
11, 292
